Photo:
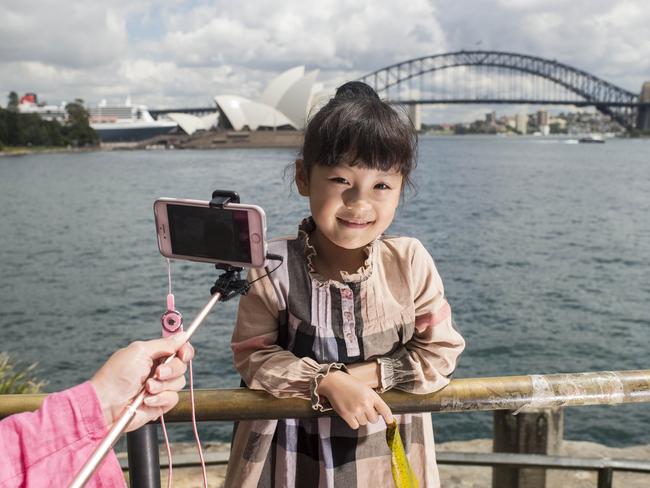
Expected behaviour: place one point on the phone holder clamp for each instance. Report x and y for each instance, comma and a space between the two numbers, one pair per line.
230, 284
220, 198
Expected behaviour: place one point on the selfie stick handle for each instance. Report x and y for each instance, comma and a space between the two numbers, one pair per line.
118, 427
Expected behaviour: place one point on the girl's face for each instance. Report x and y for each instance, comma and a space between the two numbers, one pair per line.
351, 205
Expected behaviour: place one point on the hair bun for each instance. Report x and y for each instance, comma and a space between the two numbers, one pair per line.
355, 89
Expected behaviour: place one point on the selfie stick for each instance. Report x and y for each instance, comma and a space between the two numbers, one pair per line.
227, 286
118, 427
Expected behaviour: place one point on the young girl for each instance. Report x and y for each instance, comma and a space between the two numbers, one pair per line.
350, 313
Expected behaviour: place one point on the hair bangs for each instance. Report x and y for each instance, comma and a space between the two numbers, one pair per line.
361, 131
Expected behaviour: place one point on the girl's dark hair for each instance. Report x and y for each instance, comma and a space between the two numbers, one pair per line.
357, 127
355, 89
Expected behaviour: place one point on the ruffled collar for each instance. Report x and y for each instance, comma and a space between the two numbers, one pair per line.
305, 229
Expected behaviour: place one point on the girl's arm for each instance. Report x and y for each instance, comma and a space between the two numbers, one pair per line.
261, 362
425, 363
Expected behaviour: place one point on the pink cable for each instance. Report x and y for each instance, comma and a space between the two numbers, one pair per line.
196, 432
170, 306
196, 436
169, 451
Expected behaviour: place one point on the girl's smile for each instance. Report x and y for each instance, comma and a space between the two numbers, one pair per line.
353, 224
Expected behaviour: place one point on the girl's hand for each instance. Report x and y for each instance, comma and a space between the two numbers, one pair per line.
355, 402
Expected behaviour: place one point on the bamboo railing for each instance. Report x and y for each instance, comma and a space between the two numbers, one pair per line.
465, 394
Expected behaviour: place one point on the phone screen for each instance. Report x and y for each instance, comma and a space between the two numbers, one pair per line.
212, 233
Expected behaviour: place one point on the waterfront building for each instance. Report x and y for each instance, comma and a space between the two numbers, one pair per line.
542, 118
543, 125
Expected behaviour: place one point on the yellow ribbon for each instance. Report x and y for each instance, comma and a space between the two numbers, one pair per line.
403, 475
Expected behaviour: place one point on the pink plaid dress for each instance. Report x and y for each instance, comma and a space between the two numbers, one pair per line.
293, 328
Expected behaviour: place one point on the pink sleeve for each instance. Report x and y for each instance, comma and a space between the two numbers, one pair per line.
49, 446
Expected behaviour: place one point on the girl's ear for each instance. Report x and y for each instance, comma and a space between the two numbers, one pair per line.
302, 180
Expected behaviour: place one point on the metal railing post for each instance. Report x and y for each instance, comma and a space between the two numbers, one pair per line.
605, 477
144, 462
536, 431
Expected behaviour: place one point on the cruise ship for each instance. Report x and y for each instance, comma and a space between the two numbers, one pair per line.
29, 104
126, 123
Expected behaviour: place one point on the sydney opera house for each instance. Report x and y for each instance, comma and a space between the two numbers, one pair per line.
284, 104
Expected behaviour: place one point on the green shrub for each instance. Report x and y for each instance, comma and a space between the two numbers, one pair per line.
17, 379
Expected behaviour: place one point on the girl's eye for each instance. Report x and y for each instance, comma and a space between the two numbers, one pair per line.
339, 179
382, 186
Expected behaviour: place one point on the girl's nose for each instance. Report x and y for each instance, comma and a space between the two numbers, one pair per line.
355, 199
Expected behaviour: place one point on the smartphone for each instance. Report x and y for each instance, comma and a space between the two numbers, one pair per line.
192, 230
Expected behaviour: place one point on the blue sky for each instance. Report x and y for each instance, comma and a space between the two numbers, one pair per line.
180, 53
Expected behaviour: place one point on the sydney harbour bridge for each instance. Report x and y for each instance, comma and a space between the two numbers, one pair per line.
493, 77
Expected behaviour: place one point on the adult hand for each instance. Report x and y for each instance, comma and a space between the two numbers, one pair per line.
354, 401
120, 379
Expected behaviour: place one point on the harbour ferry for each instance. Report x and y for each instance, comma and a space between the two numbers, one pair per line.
592, 139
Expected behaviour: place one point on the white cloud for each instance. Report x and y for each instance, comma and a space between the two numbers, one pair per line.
607, 39
83, 35
275, 35
172, 54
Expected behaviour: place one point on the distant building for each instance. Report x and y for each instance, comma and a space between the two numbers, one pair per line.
491, 118
543, 125
542, 118
521, 123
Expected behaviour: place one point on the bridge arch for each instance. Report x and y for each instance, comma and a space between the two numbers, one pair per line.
587, 89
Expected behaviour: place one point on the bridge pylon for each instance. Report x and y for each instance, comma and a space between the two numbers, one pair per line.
643, 116
415, 114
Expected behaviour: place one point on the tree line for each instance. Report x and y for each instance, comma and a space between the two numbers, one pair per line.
20, 129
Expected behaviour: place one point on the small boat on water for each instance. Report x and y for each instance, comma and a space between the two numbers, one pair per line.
592, 139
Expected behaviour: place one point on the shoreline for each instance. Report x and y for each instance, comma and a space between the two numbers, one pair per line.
234, 140
450, 476
26, 151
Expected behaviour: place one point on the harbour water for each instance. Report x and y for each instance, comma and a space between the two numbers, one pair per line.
543, 246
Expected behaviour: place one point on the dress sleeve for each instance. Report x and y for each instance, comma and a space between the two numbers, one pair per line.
261, 362
49, 446
425, 363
